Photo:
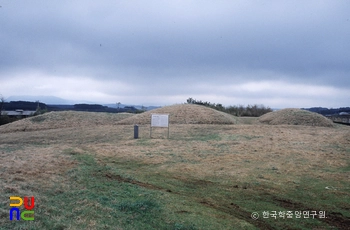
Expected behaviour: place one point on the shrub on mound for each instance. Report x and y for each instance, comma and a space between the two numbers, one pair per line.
184, 114
295, 117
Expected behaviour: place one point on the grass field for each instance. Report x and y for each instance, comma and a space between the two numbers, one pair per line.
202, 177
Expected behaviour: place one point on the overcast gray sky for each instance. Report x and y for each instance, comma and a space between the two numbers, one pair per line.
277, 53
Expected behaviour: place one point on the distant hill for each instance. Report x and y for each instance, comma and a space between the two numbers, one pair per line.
33, 106
61, 103
25, 105
140, 107
9, 114
43, 99
326, 111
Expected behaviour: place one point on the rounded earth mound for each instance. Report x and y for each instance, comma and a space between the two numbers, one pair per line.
184, 114
64, 119
295, 117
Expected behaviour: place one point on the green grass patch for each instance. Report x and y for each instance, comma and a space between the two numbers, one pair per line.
205, 137
38, 119
10, 148
241, 198
144, 142
101, 197
237, 137
120, 193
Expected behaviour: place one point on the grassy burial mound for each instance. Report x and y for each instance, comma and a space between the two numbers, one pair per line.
64, 119
203, 177
184, 114
295, 117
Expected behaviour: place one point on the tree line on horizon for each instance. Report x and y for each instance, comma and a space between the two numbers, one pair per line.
236, 110
41, 108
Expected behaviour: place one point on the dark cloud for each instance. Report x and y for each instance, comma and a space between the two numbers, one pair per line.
172, 47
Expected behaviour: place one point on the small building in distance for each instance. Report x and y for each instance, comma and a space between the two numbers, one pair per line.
18, 113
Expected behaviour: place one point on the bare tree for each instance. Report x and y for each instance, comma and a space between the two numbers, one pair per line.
37, 106
2, 102
3, 118
190, 100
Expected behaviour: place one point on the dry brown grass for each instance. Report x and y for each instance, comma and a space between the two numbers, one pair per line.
226, 154
259, 159
234, 151
230, 151
295, 117
64, 119
27, 167
184, 114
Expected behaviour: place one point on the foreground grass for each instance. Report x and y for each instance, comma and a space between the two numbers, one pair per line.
97, 197
205, 177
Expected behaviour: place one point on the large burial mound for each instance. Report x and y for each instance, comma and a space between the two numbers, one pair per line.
64, 119
295, 117
183, 114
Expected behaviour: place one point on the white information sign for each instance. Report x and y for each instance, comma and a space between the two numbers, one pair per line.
160, 120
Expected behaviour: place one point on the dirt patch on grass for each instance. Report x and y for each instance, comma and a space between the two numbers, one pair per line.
64, 119
333, 218
135, 182
184, 114
295, 117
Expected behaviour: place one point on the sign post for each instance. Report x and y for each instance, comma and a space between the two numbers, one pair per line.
159, 120
136, 131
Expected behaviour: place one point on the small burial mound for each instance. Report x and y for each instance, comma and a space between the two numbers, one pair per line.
63, 119
183, 114
295, 117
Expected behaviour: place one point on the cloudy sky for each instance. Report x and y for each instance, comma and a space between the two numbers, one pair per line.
277, 53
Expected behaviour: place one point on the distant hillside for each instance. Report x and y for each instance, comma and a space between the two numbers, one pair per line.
52, 100
25, 105
58, 102
140, 107
33, 106
326, 111
7, 108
